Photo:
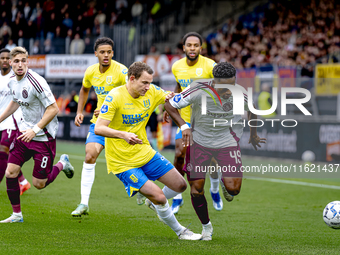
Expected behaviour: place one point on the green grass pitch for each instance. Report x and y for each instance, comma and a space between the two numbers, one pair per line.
265, 218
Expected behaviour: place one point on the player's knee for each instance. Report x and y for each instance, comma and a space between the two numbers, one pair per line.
90, 158
197, 190
11, 173
159, 199
39, 185
234, 190
182, 186
180, 153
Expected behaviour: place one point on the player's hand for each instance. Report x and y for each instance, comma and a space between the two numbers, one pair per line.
255, 140
169, 96
186, 137
96, 113
166, 117
78, 119
27, 135
132, 139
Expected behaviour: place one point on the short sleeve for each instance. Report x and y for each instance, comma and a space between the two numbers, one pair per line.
108, 109
44, 93
173, 69
180, 100
86, 79
123, 75
211, 67
159, 95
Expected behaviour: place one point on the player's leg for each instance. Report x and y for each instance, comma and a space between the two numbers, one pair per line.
94, 146
214, 187
19, 154
231, 180
44, 173
159, 168
13, 192
200, 205
177, 201
7, 138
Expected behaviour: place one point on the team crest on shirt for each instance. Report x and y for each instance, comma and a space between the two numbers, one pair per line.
227, 107
108, 79
199, 71
146, 103
24, 93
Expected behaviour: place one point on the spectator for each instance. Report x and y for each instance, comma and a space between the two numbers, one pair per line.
10, 45
136, 12
91, 104
27, 11
77, 45
167, 50
68, 22
153, 51
72, 106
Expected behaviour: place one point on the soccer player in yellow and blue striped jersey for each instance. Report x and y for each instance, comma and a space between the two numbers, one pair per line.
122, 120
103, 77
193, 66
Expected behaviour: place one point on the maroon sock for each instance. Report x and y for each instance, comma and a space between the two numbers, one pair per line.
21, 177
201, 207
13, 192
3, 164
54, 173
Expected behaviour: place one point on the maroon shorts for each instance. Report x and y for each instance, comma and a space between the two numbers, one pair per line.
43, 154
198, 158
7, 137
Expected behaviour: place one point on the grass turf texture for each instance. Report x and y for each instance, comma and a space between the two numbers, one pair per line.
266, 218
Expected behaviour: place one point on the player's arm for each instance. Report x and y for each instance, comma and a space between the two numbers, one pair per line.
176, 117
10, 109
83, 95
177, 90
50, 112
254, 139
102, 128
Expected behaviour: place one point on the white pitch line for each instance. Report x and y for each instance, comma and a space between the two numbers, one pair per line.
101, 160
318, 185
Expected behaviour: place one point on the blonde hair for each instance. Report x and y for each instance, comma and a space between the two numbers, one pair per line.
18, 50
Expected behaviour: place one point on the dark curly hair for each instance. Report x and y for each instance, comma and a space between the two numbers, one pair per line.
224, 70
103, 41
192, 34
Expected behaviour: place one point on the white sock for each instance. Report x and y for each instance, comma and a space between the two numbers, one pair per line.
87, 179
204, 225
169, 193
179, 196
18, 214
165, 212
214, 185
24, 182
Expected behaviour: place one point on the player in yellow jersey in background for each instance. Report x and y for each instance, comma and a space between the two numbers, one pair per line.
193, 66
103, 77
122, 120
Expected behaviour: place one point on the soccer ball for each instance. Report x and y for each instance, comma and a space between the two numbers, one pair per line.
308, 156
331, 214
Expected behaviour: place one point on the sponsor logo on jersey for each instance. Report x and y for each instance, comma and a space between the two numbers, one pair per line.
104, 109
109, 79
100, 90
184, 82
199, 71
134, 118
108, 99
147, 103
178, 98
124, 71
128, 103
24, 93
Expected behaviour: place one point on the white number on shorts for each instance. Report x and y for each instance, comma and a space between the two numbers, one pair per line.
9, 132
236, 155
44, 162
